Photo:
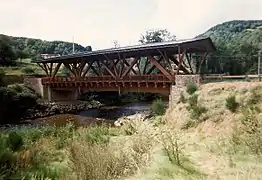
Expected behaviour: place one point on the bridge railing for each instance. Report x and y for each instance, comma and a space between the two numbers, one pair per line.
108, 78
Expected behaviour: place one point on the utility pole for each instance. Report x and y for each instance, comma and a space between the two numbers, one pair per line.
258, 64
73, 45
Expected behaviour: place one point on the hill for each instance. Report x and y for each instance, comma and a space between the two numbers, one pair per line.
29, 47
237, 45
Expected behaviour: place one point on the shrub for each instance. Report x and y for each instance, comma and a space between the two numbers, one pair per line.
97, 161
171, 148
191, 88
2, 75
197, 111
249, 133
231, 103
192, 100
13, 100
182, 98
97, 135
158, 107
15, 141
28, 70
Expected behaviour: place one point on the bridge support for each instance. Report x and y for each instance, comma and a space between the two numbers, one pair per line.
180, 87
52, 94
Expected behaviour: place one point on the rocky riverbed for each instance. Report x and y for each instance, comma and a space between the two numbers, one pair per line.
44, 109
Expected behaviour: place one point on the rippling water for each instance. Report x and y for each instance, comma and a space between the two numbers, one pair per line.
107, 114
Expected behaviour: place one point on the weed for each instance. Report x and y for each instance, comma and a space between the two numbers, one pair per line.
97, 135
14, 141
231, 103
182, 98
158, 107
249, 133
191, 88
171, 148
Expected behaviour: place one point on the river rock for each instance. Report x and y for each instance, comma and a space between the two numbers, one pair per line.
44, 109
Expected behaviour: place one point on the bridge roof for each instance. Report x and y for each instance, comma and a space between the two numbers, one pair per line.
195, 45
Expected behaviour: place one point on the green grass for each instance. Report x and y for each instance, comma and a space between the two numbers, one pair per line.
20, 67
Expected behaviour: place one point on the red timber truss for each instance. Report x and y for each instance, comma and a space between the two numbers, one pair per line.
144, 68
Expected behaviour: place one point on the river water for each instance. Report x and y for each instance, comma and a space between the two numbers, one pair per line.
106, 114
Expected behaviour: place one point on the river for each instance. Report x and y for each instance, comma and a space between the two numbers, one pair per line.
105, 114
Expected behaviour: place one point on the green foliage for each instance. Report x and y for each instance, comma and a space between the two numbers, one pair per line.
28, 70
196, 110
159, 35
172, 148
238, 42
182, 98
14, 103
158, 107
15, 141
2, 75
192, 100
7, 54
191, 88
21, 47
249, 133
64, 135
98, 135
231, 103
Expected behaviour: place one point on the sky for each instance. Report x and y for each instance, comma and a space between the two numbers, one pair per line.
100, 22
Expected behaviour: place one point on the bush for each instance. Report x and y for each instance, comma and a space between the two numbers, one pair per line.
15, 141
158, 107
171, 148
2, 75
182, 98
28, 70
192, 100
191, 88
231, 103
249, 133
14, 103
97, 135
97, 161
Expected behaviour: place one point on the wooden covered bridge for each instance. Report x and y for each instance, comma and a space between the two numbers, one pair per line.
141, 68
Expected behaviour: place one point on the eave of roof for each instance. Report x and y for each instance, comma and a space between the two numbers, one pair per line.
203, 43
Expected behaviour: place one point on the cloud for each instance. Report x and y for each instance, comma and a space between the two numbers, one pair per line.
99, 22
189, 18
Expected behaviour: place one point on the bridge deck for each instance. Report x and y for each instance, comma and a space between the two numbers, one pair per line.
153, 78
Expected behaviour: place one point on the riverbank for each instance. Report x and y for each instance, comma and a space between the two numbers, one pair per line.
45, 108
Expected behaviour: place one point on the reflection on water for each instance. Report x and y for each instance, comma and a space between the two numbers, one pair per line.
107, 114
115, 112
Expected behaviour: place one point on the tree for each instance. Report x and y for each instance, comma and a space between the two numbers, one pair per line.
152, 36
160, 35
6, 52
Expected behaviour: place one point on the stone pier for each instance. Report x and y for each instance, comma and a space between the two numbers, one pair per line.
180, 86
48, 93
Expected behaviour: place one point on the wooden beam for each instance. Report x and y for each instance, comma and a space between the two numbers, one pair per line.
43, 67
67, 65
154, 67
180, 58
130, 67
88, 67
189, 61
146, 64
163, 70
56, 69
108, 70
201, 61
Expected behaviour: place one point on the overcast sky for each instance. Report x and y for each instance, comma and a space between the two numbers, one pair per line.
99, 22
